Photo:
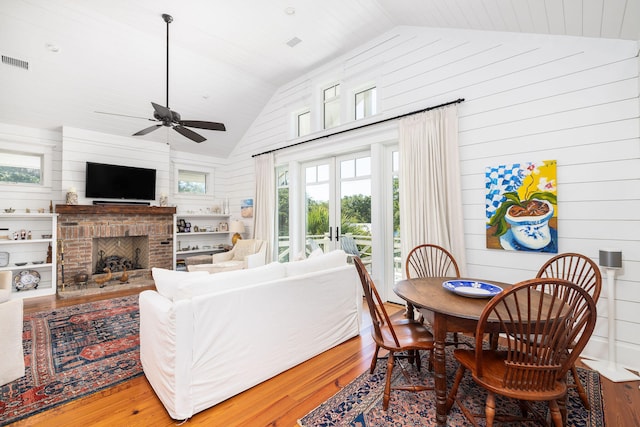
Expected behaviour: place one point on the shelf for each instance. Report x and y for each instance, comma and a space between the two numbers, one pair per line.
22, 242
4, 215
203, 216
28, 266
192, 233
199, 251
30, 250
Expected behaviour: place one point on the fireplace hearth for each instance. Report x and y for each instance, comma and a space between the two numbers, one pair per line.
95, 237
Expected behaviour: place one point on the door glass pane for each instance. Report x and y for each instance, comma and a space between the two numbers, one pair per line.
397, 255
284, 242
316, 206
355, 208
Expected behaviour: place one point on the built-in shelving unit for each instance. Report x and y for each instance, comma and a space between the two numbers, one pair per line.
198, 234
31, 253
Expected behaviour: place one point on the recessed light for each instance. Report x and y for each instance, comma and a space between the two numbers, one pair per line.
294, 41
290, 10
52, 47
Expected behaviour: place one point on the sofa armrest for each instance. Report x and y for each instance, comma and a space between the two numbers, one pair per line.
254, 260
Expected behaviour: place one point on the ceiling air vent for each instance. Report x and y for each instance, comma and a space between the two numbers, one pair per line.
15, 62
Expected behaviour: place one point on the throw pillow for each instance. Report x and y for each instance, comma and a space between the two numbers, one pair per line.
167, 281
244, 248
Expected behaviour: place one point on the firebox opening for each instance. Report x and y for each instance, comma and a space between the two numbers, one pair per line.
118, 253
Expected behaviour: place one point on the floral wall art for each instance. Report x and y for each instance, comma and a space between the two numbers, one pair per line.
521, 207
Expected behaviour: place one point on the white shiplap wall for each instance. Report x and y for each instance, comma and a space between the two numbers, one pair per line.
81, 146
528, 97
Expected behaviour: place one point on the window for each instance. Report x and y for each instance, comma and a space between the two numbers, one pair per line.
304, 123
366, 103
192, 182
284, 242
21, 168
331, 98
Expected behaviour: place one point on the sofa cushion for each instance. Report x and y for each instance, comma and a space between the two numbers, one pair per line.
331, 259
244, 248
220, 282
167, 281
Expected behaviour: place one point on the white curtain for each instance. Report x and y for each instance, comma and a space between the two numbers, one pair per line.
264, 206
430, 200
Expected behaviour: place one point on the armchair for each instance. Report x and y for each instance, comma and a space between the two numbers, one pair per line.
12, 366
248, 253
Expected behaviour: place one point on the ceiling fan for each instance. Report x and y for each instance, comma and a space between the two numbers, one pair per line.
170, 118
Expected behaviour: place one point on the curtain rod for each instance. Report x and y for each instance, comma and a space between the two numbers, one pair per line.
457, 101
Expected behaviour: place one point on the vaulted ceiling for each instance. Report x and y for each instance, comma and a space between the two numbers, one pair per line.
226, 57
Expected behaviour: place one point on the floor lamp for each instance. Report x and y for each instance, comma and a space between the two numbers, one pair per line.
611, 260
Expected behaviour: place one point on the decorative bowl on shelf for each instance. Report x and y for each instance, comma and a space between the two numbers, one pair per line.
46, 236
20, 264
37, 262
10, 210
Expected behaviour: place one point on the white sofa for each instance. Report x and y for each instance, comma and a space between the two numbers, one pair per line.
248, 253
207, 337
11, 317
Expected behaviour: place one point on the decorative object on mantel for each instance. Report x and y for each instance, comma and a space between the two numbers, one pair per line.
164, 200
236, 227
72, 196
611, 260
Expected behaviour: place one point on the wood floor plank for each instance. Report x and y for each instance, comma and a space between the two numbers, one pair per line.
278, 402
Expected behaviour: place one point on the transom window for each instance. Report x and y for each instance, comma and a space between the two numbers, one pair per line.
366, 103
20, 168
304, 123
192, 182
331, 98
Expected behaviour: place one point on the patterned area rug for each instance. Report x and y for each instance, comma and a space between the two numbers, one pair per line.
72, 352
359, 404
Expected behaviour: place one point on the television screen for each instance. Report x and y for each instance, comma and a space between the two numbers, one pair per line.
120, 182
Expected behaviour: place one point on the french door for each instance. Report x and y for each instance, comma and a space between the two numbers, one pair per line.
338, 204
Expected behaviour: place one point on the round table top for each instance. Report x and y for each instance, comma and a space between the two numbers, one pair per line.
428, 293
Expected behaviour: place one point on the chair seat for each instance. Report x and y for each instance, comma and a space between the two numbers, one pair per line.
411, 335
493, 373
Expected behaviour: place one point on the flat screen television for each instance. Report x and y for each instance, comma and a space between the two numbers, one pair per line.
105, 181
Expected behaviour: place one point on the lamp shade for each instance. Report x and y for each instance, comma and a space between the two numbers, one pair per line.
610, 258
236, 227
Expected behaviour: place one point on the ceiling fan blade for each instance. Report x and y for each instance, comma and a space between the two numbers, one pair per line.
189, 134
147, 130
126, 115
203, 125
163, 112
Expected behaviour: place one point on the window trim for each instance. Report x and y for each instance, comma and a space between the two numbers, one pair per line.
46, 160
177, 167
363, 89
337, 98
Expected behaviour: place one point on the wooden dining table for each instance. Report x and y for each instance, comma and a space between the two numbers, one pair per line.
446, 312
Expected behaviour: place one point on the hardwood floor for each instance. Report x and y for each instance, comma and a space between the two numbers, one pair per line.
280, 401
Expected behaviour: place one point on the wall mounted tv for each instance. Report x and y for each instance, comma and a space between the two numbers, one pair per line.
105, 181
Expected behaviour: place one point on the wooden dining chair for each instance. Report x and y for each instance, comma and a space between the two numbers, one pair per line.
541, 318
582, 271
428, 260
404, 336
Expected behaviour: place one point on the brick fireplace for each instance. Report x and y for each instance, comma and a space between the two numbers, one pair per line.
95, 236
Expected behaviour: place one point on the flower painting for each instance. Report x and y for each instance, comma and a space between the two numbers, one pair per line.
521, 207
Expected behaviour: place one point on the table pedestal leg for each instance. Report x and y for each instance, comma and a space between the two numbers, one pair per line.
439, 369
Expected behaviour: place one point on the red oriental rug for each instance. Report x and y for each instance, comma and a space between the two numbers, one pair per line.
72, 352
